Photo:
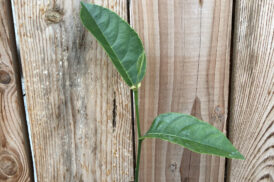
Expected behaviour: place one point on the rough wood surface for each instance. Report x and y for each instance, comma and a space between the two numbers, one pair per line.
15, 163
188, 48
79, 107
252, 102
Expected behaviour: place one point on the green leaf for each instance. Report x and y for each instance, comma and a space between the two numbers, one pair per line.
119, 40
192, 133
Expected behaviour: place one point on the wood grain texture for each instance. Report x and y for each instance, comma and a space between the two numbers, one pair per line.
79, 107
15, 163
252, 115
188, 50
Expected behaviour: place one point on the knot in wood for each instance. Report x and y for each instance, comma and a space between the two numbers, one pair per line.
4, 77
53, 16
8, 166
218, 113
173, 167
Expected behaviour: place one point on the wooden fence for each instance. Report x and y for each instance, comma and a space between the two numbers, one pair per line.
211, 58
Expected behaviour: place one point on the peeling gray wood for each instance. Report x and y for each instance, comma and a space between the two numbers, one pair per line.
70, 91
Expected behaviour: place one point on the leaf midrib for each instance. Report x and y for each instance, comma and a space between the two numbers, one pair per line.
184, 138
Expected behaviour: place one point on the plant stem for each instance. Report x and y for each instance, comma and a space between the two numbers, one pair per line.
138, 160
136, 101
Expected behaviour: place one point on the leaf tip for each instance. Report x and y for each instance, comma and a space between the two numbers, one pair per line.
241, 157
82, 3
236, 155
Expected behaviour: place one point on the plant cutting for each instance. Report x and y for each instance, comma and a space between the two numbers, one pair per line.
126, 51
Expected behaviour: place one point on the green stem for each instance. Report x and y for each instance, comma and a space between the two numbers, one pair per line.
138, 160
136, 101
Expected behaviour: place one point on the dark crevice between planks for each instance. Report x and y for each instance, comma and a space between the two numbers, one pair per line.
230, 86
132, 107
19, 77
128, 11
114, 112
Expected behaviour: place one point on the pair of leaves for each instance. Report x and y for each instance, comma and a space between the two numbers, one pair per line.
126, 52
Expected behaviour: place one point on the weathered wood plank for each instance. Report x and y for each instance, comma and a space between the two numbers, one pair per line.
252, 115
79, 107
188, 49
15, 161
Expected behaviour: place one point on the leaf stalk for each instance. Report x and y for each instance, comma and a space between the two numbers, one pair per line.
140, 140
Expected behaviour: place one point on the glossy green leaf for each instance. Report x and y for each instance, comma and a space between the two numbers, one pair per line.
120, 41
192, 133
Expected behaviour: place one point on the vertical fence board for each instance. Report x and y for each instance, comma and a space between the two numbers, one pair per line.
252, 115
188, 49
15, 162
79, 107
